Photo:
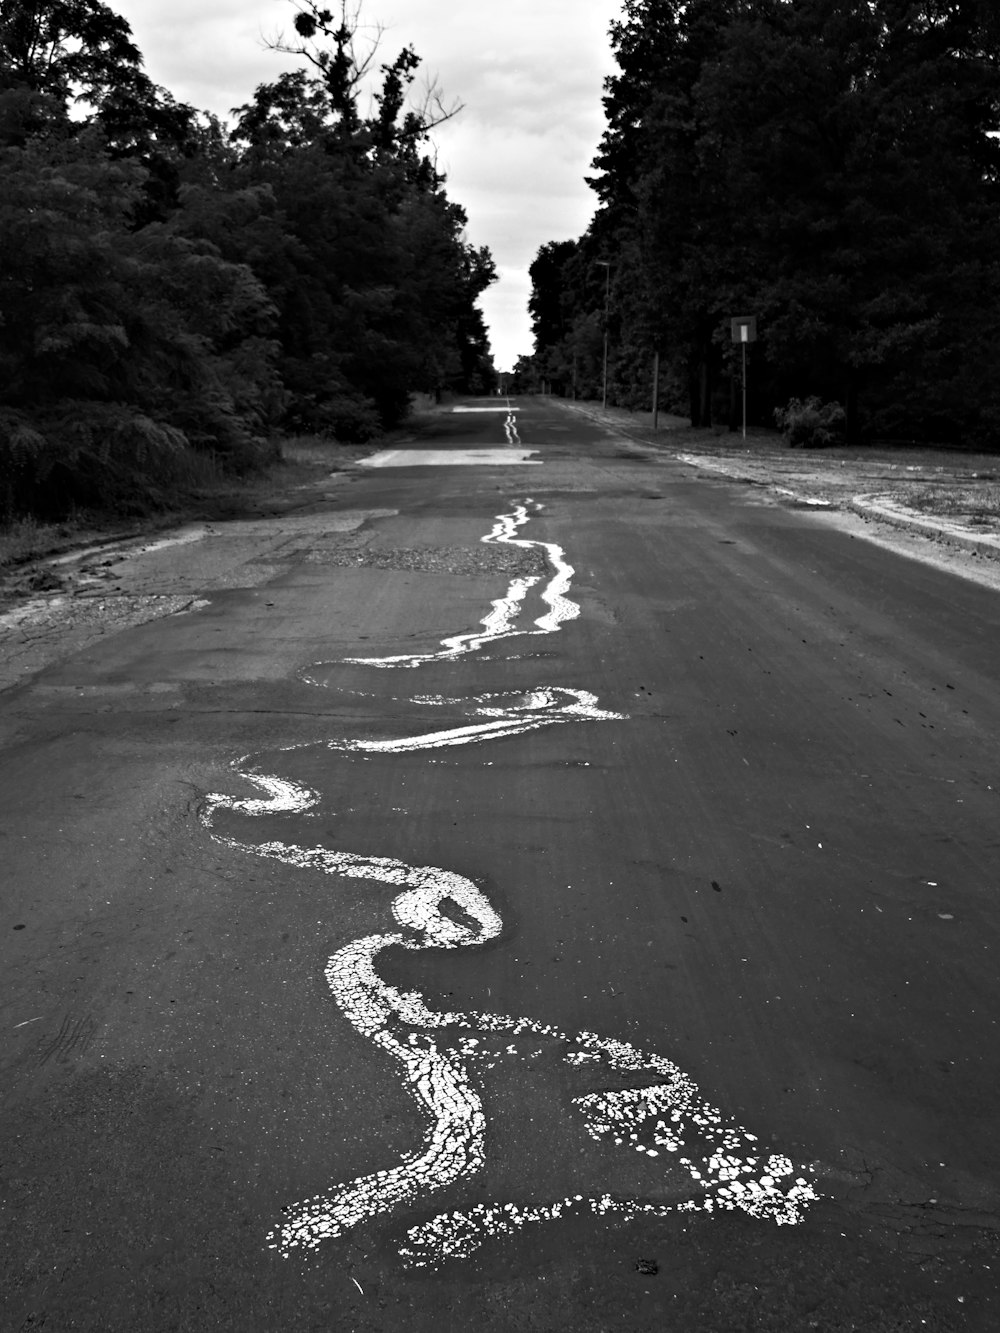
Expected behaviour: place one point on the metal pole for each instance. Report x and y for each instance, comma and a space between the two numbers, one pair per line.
656, 389
744, 386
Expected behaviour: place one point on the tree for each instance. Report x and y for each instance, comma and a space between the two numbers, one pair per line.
377, 285
656, 204
75, 50
831, 165
170, 293
344, 69
61, 54
121, 351
550, 302
851, 143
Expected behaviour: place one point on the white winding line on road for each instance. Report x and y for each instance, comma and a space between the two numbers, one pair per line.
437, 908
510, 427
501, 622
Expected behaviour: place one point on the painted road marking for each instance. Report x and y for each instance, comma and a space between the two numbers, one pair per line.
514, 455
496, 457
502, 620
510, 429
441, 1064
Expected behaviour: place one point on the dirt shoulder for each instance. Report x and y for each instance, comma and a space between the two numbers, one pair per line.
30, 553
938, 506
63, 587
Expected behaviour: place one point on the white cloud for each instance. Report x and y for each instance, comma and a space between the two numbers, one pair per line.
530, 77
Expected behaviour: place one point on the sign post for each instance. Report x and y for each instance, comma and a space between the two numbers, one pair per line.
744, 330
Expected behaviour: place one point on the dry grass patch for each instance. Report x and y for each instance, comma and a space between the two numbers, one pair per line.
208, 493
977, 501
25, 539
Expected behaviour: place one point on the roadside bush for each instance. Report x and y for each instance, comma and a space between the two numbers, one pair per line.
351, 420
810, 423
342, 417
89, 455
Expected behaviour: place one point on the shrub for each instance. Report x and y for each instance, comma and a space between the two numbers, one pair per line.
89, 455
350, 420
811, 423
344, 417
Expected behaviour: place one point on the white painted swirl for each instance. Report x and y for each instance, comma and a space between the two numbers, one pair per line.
439, 1063
502, 620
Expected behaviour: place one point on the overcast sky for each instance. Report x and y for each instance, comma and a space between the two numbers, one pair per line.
530, 75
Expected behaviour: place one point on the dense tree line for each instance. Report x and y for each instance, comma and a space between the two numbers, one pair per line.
830, 166
173, 291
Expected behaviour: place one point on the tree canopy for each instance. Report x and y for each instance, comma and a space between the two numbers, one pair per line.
831, 166
173, 289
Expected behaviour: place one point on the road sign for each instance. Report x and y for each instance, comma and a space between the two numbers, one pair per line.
744, 328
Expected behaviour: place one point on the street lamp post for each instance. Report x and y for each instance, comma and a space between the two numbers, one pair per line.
606, 265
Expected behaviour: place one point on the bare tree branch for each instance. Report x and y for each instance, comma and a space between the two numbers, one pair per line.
431, 109
343, 30
347, 67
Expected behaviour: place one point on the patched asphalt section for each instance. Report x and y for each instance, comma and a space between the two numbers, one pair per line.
467, 560
105, 589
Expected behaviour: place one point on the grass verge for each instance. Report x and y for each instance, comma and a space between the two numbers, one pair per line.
978, 503
291, 482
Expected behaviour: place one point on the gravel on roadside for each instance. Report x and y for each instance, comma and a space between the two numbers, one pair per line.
939, 506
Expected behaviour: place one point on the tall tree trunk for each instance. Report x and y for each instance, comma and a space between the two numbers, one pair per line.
852, 425
699, 388
694, 395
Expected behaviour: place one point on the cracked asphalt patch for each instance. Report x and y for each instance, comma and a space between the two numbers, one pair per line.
41, 631
105, 589
467, 560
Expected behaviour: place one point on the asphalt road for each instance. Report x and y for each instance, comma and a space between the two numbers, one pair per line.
589, 927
